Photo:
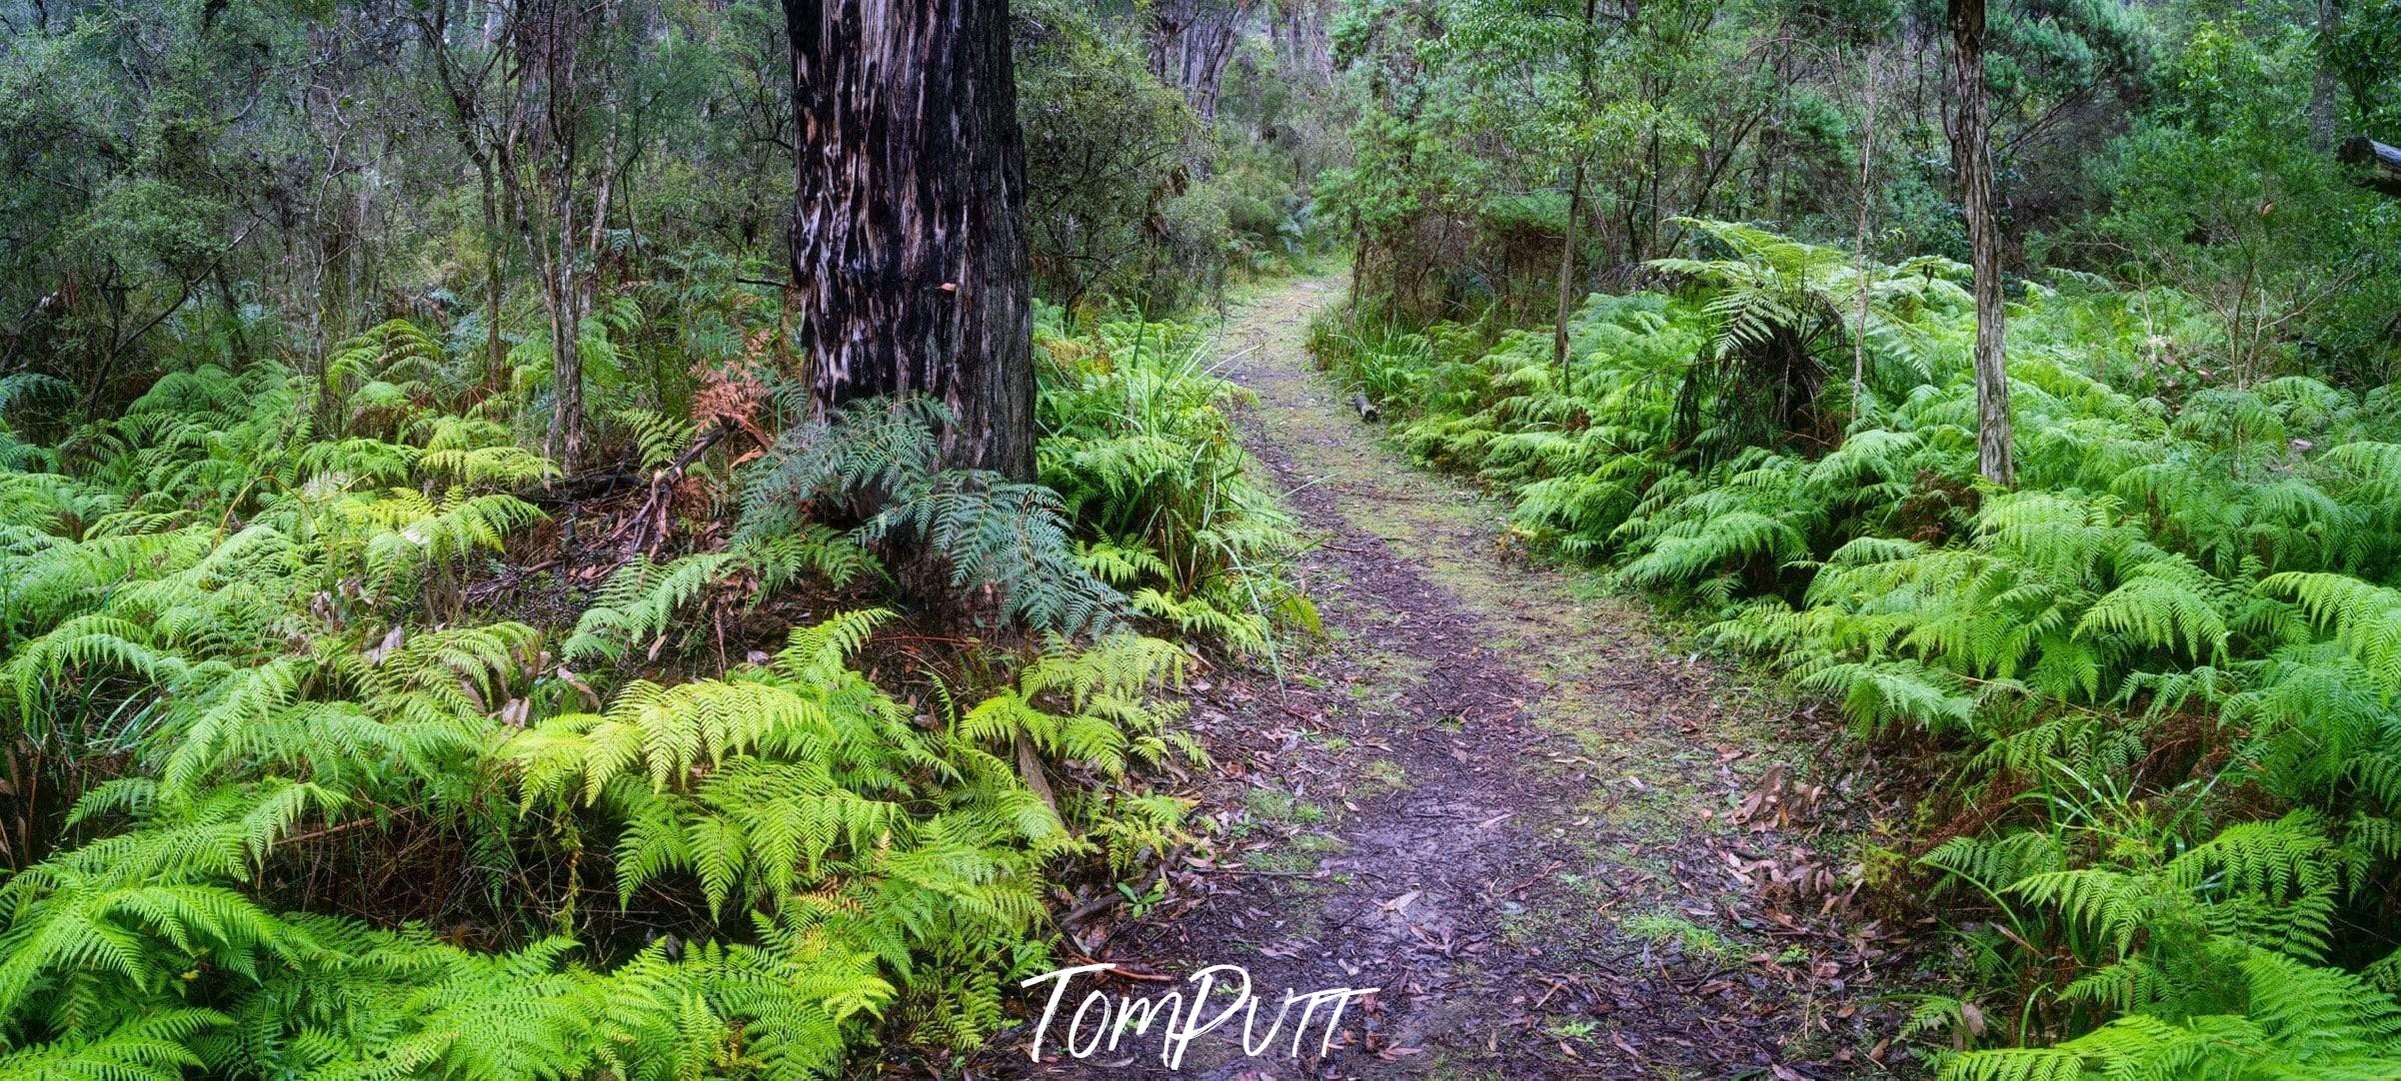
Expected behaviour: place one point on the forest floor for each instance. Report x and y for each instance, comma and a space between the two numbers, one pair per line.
1559, 839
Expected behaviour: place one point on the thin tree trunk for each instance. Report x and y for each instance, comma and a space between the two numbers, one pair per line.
1867, 159
908, 229
233, 312
550, 46
1567, 271
566, 357
1971, 153
2321, 96
1575, 203
495, 358
465, 92
1358, 268
1191, 42
608, 181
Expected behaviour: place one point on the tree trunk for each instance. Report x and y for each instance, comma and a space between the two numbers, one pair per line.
465, 91
1867, 195
495, 238
908, 229
1301, 40
2321, 92
550, 44
1575, 204
1567, 271
1971, 154
2383, 163
1191, 42
566, 323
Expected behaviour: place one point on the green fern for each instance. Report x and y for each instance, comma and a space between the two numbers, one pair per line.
637, 604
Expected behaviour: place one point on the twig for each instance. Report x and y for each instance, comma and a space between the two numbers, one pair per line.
1538, 876
1321, 873
1091, 908
650, 522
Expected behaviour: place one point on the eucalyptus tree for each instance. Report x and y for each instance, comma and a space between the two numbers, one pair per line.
1971, 155
1192, 41
908, 228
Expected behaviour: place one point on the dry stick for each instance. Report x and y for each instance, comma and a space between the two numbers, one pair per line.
1089, 909
1537, 877
662, 483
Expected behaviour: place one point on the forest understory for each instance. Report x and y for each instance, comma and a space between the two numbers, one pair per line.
1562, 841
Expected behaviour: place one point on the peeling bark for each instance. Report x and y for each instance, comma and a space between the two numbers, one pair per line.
908, 231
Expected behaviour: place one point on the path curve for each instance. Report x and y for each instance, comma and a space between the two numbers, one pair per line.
1562, 845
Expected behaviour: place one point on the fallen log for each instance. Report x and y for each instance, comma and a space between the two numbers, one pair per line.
2383, 163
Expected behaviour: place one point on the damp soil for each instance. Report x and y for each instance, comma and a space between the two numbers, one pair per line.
1559, 838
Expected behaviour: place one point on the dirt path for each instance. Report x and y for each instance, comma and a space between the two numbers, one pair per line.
1561, 845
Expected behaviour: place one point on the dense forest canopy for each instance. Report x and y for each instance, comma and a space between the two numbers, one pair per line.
607, 538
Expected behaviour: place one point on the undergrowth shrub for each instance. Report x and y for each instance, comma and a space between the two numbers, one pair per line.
294, 801
1138, 444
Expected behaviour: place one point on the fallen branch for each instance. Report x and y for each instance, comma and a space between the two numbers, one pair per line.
649, 524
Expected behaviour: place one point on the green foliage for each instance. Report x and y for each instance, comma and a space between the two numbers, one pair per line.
1781, 308
1145, 506
2295, 1021
637, 604
1105, 714
987, 531
1106, 151
319, 780
238, 634
2169, 655
1484, 121
2221, 192
1138, 444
